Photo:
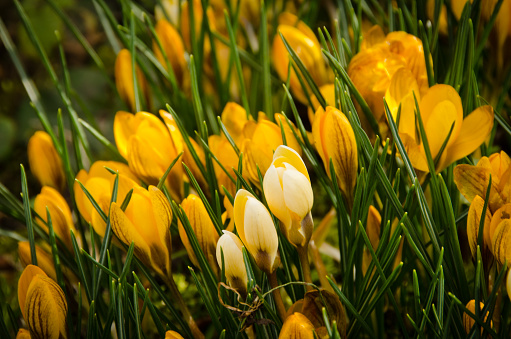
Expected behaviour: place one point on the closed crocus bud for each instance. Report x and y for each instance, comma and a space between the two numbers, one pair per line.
468, 321
173, 335
172, 45
288, 191
42, 303
307, 48
231, 247
124, 80
99, 182
61, 218
334, 138
44, 161
255, 228
44, 259
297, 326
145, 141
146, 222
204, 230
234, 117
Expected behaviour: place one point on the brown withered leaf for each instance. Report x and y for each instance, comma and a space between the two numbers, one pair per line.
315, 300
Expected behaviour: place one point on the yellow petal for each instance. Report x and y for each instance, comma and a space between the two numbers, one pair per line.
372, 37
125, 125
287, 154
126, 232
468, 321
23, 334
46, 308
501, 242
473, 221
172, 45
297, 326
124, 79
173, 335
24, 282
475, 129
234, 118
44, 259
373, 226
501, 214
440, 108
273, 191
44, 161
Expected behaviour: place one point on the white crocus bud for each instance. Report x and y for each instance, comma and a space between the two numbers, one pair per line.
288, 191
234, 265
255, 228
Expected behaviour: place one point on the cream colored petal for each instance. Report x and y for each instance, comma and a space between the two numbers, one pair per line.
292, 157
298, 193
275, 196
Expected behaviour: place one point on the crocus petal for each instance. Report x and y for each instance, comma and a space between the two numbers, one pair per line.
125, 125
473, 221
231, 247
298, 193
275, 196
297, 326
289, 155
234, 118
46, 309
501, 214
476, 127
502, 242
23, 284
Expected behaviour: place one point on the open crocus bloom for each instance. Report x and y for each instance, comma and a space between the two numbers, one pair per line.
289, 194
442, 116
150, 148
99, 182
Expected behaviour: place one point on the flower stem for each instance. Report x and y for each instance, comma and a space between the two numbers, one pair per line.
304, 261
277, 297
176, 295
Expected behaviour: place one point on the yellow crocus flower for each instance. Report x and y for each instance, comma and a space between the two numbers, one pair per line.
44, 161
234, 117
307, 48
172, 45
441, 110
23, 334
289, 195
257, 231
44, 259
204, 230
468, 321
335, 139
234, 264
62, 220
173, 335
100, 182
42, 303
297, 326
146, 222
145, 141
223, 151
261, 140
124, 80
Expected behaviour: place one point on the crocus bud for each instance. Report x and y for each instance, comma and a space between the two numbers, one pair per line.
334, 138
146, 222
297, 326
124, 80
468, 321
255, 228
230, 245
288, 191
149, 147
172, 45
42, 303
223, 151
100, 182
61, 218
44, 161
204, 230
44, 259
173, 335
307, 48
